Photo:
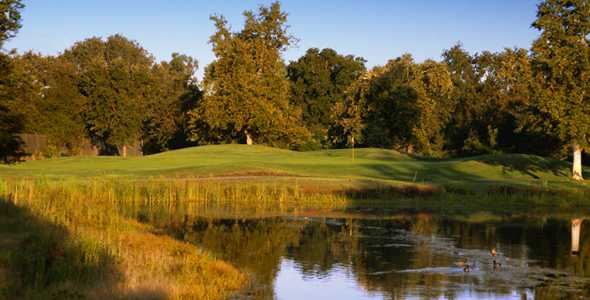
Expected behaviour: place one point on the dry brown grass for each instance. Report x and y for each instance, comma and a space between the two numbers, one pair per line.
125, 259
157, 266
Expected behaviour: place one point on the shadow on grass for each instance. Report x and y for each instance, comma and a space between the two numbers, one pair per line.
430, 171
425, 173
457, 180
527, 164
45, 261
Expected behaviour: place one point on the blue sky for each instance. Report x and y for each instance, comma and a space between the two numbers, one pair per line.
375, 30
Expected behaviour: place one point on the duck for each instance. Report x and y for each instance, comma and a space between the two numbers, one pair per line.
496, 264
467, 269
465, 264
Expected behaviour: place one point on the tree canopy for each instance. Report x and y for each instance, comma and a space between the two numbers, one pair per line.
10, 19
319, 80
246, 89
175, 92
561, 66
10, 121
114, 78
408, 106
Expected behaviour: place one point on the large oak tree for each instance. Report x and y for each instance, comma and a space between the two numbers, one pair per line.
114, 76
561, 65
246, 89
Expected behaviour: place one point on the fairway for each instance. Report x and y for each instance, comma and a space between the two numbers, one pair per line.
241, 161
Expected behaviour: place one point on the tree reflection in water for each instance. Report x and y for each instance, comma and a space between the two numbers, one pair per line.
409, 255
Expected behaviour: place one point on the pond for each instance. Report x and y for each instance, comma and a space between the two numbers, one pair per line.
400, 255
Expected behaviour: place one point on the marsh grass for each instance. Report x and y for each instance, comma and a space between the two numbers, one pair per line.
76, 244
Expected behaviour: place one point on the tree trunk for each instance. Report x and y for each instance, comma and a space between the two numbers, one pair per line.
249, 140
352, 140
124, 150
576, 227
577, 167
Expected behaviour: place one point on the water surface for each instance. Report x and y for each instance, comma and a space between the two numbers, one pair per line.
400, 256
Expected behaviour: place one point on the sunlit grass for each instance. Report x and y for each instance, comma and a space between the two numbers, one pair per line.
77, 243
238, 161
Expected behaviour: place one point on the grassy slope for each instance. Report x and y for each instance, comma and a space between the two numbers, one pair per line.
331, 164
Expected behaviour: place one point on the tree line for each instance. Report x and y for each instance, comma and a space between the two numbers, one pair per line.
113, 93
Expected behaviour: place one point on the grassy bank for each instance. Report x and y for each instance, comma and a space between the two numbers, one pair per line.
235, 161
68, 241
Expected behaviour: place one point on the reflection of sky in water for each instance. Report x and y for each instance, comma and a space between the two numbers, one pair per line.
340, 284
291, 283
412, 257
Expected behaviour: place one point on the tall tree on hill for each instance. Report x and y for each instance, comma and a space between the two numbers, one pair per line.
561, 66
246, 89
115, 79
10, 122
319, 80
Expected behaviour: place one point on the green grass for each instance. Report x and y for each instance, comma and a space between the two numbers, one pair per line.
370, 164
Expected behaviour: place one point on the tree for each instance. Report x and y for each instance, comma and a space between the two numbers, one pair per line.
246, 89
10, 19
409, 105
10, 122
505, 91
469, 107
491, 91
115, 79
561, 67
319, 80
175, 93
45, 93
10, 143
349, 116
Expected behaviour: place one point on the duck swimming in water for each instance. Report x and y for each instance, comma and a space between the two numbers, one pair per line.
465, 264
467, 269
496, 264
